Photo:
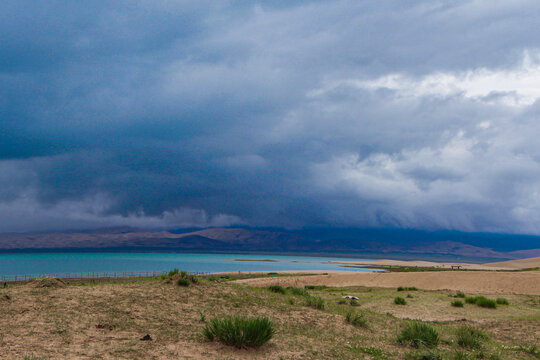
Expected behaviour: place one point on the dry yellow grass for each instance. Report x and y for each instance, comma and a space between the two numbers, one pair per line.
107, 320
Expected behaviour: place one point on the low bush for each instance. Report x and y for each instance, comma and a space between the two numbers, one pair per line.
457, 303
470, 337
418, 334
277, 289
502, 301
400, 301
470, 299
460, 294
182, 282
356, 319
314, 301
240, 331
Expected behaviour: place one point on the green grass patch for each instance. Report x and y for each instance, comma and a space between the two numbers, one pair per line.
400, 301
182, 282
240, 331
418, 334
315, 302
315, 287
470, 337
403, 288
481, 301
298, 291
457, 303
502, 301
356, 319
277, 289
423, 356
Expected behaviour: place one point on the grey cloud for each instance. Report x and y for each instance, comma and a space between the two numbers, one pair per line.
165, 114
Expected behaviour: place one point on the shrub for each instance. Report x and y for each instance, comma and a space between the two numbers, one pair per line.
457, 303
182, 282
240, 331
502, 301
470, 337
290, 301
193, 279
400, 301
277, 289
484, 302
409, 296
356, 319
418, 334
470, 299
460, 294
298, 291
174, 272
314, 301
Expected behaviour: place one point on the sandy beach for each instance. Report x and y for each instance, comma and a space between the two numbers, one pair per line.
485, 282
505, 265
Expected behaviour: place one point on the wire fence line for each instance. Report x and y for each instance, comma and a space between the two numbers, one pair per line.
92, 275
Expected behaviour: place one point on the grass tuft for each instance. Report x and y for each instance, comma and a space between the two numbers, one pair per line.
298, 291
356, 319
277, 289
481, 301
240, 331
423, 356
182, 282
314, 301
502, 301
174, 272
470, 337
403, 288
418, 334
400, 301
457, 303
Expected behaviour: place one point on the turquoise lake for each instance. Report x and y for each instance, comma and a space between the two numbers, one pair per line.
69, 263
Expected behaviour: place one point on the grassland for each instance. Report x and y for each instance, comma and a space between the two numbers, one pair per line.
107, 319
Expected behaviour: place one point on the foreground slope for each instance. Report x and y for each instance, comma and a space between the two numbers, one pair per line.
106, 320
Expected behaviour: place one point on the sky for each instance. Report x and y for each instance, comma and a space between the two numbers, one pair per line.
170, 114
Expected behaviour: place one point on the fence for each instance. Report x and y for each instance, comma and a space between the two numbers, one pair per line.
92, 275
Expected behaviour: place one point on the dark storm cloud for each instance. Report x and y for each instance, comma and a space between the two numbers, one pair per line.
179, 113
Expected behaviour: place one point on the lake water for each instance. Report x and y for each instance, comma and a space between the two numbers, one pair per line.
62, 263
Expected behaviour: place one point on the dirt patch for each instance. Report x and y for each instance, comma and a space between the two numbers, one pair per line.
48, 282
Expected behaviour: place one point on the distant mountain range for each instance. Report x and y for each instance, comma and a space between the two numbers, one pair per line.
373, 243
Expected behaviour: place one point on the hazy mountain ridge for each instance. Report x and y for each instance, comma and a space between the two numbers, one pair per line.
339, 241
